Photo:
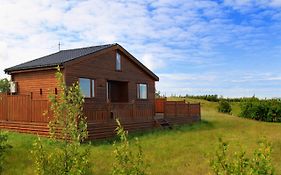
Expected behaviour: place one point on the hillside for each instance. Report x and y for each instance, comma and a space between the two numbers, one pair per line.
183, 150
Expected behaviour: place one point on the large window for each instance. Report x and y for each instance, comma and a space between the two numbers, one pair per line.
142, 91
87, 87
118, 61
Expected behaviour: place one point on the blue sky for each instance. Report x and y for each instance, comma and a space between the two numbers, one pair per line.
226, 47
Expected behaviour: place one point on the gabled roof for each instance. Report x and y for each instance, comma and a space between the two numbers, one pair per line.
57, 58
63, 56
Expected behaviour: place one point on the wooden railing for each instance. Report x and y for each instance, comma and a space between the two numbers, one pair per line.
177, 108
23, 108
126, 112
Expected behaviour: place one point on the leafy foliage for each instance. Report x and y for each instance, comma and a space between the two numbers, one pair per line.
126, 161
4, 85
216, 98
157, 94
263, 110
70, 127
68, 123
224, 106
239, 164
4, 147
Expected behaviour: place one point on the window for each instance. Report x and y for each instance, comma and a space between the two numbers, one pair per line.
118, 61
87, 87
142, 91
93, 88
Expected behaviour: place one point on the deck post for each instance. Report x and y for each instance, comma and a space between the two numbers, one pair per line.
188, 104
199, 111
176, 111
133, 110
164, 103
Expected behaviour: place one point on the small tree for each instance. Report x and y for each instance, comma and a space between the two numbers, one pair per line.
126, 161
157, 94
4, 147
70, 127
224, 106
224, 163
4, 85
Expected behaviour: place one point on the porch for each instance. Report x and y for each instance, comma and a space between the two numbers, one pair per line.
24, 114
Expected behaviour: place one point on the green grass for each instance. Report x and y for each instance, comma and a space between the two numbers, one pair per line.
183, 150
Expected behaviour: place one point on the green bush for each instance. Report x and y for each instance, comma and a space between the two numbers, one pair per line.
4, 147
224, 106
259, 163
127, 161
4, 85
68, 128
263, 110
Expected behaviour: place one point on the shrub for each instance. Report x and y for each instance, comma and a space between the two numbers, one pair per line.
224, 163
4, 85
224, 106
126, 161
4, 147
263, 110
70, 128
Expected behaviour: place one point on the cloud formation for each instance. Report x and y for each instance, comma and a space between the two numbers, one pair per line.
192, 45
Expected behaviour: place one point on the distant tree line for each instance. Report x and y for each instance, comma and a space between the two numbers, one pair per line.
215, 98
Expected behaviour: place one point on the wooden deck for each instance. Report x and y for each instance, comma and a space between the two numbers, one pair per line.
24, 114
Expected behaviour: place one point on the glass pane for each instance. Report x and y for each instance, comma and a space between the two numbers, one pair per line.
118, 61
85, 87
93, 88
143, 91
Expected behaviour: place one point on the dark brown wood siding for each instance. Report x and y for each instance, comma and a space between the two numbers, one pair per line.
101, 68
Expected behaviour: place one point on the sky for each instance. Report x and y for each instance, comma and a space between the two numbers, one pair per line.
225, 47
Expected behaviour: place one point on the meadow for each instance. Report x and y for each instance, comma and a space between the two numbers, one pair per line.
183, 150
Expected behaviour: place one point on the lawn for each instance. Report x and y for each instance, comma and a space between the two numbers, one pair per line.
183, 150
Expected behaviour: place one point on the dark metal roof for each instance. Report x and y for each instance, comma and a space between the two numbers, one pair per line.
63, 56
57, 58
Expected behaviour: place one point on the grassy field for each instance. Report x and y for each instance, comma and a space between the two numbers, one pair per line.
183, 150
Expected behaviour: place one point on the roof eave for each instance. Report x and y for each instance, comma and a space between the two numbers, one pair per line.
10, 71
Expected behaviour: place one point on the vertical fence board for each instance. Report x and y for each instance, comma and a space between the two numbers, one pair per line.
22, 108
3, 107
176, 108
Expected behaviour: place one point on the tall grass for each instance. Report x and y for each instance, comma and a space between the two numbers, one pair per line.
183, 150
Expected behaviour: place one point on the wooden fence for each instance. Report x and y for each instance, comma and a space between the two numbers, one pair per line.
126, 112
22, 108
177, 108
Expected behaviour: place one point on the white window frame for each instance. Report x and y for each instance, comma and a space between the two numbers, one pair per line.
91, 88
139, 95
118, 65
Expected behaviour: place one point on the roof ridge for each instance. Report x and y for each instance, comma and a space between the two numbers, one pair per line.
88, 47
52, 58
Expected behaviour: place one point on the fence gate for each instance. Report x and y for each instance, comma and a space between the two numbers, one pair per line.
159, 105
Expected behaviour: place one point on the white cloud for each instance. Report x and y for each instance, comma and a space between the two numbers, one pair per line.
152, 62
164, 35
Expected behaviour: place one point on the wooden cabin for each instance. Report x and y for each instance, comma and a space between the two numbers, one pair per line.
113, 82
